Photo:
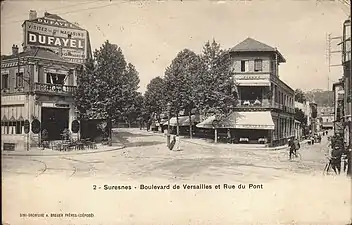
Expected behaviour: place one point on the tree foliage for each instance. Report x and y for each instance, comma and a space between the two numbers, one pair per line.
107, 88
300, 96
180, 80
154, 97
301, 117
216, 90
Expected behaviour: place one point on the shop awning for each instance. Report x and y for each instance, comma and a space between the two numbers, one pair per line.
182, 120
162, 121
253, 82
243, 120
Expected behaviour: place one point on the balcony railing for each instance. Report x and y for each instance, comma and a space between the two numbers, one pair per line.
264, 104
54, 88
253, 103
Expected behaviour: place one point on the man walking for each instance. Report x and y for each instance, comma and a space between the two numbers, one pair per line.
294, 146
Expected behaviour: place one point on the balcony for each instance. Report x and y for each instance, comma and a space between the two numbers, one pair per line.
54, 88
254, 104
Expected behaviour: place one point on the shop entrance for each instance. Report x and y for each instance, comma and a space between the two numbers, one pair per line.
55, 120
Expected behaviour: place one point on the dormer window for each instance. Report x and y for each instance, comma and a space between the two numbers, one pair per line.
258, 65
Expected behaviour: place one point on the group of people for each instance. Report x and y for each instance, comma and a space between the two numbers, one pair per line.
338, 152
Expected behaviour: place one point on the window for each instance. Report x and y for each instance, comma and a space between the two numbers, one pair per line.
52, 78
4, 81
243, 66
19, 79
19, 126
258, 65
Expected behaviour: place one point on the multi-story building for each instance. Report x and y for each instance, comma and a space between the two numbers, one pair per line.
265, 112
347, 77
38, 83
338, 89
326, 117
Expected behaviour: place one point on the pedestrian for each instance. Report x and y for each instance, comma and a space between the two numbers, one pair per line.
336, 155
172, 144
294, 146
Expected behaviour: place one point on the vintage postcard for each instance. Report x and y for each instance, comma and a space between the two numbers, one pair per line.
176, 112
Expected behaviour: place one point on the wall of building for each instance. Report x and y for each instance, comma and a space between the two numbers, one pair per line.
266, 64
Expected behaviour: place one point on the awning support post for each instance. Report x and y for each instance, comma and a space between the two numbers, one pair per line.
216, 135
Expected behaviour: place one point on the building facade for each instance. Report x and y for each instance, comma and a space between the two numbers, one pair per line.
347, 80
37, 88
343, 88
265, 112
338, 89
326, 117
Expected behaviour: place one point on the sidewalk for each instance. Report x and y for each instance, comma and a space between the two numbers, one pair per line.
210, 143
235, 146
48, 152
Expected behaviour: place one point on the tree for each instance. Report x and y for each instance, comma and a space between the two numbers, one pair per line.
83, 95
180, 83
300, 96
301, 117
217, 91
133, 99
107, 88
154, 97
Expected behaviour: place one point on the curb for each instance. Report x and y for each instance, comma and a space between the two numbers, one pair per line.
236, 148
61, 154
229, 148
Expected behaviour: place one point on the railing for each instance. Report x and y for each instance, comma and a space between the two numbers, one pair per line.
250, 103
54, 88
253, 103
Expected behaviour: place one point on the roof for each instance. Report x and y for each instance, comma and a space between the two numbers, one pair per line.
36, 52
251, 45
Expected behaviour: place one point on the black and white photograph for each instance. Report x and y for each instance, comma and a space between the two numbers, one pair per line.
175, 112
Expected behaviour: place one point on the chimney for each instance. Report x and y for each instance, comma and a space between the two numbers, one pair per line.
32, 14
14, 49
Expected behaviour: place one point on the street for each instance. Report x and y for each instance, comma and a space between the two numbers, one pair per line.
274, 190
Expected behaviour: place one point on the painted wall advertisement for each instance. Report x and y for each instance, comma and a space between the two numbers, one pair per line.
58, 36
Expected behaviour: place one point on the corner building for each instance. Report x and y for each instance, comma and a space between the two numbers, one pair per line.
260, 89
265, 110
38, 84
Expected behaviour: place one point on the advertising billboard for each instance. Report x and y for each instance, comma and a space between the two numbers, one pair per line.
58, 35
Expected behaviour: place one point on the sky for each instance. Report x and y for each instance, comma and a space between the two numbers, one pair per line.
151, 33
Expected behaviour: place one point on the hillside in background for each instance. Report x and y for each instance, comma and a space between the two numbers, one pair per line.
321, 97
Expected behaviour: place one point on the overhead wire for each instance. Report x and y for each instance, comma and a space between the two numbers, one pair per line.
57, 8
74, 11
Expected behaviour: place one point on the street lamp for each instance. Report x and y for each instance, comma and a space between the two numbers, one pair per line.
168, 124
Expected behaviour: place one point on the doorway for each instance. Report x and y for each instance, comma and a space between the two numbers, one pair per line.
55, 121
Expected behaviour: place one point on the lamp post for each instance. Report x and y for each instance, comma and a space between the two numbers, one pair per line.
168, 124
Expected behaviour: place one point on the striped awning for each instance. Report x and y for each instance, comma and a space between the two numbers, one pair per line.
183, 120
242, 120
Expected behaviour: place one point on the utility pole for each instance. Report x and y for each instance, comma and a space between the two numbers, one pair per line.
330, 53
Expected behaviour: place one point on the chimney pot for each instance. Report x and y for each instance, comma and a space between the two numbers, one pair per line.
32, 14
14, 49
